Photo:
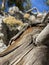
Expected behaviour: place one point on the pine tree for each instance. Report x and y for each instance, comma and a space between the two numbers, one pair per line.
47, 2
28, 5
19, 3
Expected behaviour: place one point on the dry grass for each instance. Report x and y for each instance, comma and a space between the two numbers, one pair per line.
12, 21
26, 16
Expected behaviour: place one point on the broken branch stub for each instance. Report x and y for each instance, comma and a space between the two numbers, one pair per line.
43, 37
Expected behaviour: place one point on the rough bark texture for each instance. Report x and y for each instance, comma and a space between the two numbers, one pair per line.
37, 56
25, 45
24, 51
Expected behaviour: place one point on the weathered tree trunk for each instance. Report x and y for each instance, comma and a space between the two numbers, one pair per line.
25, 53
19, 51
37, 56
43, 37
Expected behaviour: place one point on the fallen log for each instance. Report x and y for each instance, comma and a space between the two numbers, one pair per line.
17, 49
37, 56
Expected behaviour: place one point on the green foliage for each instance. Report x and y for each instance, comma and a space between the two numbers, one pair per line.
19, 3
28, 5
3, 8
47, 2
